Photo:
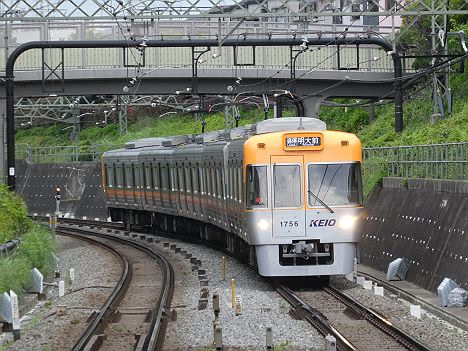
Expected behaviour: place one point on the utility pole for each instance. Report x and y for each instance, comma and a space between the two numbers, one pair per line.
122, 108
3, 167
440, 79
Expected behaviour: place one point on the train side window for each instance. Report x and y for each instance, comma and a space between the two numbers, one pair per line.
174, 179
188, 178
124, 176
235, 183
180, 175
256, 187
223, 184
165, 177
148, 178
219, 183
214, 180
195, 183
229, 182
156, 177
240, 185
128, 176
135, 176
287, 186
108, 175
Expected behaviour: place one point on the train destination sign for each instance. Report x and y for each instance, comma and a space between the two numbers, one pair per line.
303, 141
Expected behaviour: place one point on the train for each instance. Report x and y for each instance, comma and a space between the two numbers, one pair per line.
284, 194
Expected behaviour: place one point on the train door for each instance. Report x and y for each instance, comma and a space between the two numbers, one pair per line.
287, 189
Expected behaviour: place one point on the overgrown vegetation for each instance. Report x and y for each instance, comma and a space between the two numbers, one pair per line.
35, 250
13, 215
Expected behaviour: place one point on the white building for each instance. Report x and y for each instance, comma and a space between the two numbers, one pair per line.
314, 9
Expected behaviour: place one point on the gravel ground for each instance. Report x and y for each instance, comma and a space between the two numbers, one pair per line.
434, 332
96, 273
261, 307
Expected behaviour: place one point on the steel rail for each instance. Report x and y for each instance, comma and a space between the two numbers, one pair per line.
155, 339
118, 292
315, 318
378, 320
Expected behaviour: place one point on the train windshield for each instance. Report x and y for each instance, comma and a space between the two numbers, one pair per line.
287, 185
335, 184
257, 187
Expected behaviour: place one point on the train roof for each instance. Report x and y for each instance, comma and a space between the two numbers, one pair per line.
239, 133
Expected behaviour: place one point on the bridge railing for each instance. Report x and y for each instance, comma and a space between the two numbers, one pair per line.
59, 154
370, 58
438, 161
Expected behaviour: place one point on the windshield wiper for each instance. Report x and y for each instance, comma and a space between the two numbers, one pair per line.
321, 202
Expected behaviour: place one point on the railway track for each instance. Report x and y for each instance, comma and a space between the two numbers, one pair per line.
354, 326
126, 293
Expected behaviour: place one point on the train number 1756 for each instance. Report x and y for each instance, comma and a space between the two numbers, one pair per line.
289, 223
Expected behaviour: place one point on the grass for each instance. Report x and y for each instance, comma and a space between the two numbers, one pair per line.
283, 346
7, 344
34, 251
13, 215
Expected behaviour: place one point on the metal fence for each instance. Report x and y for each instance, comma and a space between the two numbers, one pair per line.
438, 161
55, 154
370, 58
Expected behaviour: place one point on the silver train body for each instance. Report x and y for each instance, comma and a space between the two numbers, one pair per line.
213, 186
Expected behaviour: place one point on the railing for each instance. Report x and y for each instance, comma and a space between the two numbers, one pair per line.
438, 161
57, 154
370, 58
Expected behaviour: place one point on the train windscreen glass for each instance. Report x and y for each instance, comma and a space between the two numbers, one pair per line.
287, 185
335, 184
257, 187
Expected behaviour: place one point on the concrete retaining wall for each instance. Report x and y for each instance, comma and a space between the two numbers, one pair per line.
80, 185
424, 221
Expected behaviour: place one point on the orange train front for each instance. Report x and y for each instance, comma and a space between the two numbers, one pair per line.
284, 194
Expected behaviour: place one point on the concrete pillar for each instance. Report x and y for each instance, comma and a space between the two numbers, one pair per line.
312, 106
3, 169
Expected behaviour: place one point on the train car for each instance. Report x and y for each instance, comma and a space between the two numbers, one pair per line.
285, 194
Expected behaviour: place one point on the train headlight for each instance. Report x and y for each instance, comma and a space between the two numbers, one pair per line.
347, 222
263, 224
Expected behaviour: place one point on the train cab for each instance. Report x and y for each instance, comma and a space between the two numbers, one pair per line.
303, 198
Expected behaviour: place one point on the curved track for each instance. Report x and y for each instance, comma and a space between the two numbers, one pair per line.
154, 339
354, 326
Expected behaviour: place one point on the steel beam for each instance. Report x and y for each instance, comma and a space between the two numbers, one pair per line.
10, 78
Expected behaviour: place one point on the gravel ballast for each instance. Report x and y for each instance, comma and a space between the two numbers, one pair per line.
96, 274
431, 330
262, 307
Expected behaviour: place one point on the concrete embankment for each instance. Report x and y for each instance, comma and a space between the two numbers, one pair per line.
80, 184
424, 221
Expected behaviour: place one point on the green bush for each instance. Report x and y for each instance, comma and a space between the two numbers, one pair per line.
15, 273
14, 220
34, 251
374, 171
37, 246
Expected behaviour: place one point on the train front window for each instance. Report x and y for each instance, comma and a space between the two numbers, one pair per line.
287, 185
257, 187
334, 184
